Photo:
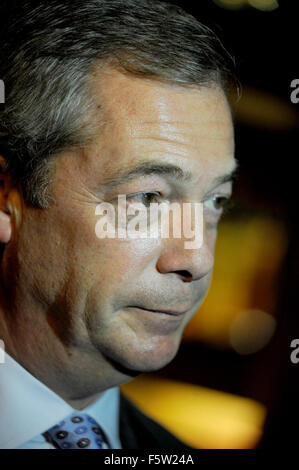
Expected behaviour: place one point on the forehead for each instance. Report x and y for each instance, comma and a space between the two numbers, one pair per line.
149, 120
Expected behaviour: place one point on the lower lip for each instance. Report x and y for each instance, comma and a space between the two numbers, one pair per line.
156, 323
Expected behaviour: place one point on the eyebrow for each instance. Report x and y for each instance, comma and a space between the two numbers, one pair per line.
232, 176
162, 169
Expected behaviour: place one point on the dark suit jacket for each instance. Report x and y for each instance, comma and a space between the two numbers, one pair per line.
138, 431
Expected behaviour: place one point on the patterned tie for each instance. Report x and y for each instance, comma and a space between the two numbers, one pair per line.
76, 431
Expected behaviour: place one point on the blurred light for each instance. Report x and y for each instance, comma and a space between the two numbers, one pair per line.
231, 4
201, 417
244, 277
261, 109
264, 5
251, 331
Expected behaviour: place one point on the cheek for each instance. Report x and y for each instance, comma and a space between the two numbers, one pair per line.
127, 256
115, 261
211, 238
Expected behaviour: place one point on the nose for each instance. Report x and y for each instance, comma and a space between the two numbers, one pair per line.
188, 264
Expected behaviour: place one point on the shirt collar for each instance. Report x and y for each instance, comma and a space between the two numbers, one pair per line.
28, 407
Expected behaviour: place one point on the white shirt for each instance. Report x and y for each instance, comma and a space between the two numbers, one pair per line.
28, 408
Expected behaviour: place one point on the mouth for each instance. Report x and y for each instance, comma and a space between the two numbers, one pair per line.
175, 313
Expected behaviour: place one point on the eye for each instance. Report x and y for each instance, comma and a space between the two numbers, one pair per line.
145, 198
218, 203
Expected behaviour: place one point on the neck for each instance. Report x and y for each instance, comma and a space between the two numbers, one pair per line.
80, 404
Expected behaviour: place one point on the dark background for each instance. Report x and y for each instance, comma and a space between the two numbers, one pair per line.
264, 44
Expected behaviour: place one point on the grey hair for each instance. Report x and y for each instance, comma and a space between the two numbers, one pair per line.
49, 52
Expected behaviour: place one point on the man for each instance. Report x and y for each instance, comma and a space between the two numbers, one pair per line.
102, 98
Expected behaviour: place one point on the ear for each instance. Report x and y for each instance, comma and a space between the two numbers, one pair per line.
5, 210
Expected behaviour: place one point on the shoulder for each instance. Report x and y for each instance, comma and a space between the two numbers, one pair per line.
139, 431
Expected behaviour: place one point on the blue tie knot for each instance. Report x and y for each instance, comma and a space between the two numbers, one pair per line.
76, 431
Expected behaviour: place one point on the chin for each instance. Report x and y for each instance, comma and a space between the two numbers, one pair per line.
147, 358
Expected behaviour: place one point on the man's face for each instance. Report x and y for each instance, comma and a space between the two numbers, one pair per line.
90, 287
